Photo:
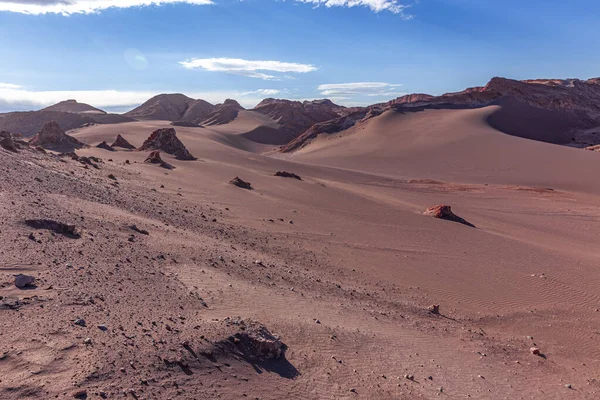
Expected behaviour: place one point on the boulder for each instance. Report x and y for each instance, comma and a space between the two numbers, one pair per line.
121, 142
24, 281
8, 143
166, 140
255, 341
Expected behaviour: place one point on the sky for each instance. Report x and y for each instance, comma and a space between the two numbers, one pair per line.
115, 54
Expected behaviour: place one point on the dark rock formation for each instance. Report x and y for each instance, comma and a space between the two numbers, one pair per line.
8, 143
445, 212
54, 226
105, 146
166, 140
154, 158
241, 183
52, 137
285, 174
121, 142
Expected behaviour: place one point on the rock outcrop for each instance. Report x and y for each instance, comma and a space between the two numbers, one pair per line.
166, 140
285, 174
296, 117
105, 146
121, 142
445, 212
155, 158
330, 127
237, 181
253, 341
52, 137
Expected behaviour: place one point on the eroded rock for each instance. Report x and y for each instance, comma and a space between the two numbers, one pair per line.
52, 137
285, 174
166, 140
54, 226
445, 212
154, 158
237, 181
123, 143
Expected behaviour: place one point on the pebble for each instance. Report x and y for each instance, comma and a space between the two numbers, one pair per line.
103, 328
79, 322
87, 341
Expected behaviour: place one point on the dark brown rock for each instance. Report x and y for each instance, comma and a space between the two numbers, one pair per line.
241, 183
54, 226
52, 137
285, 174
154, 158
445, 212
105, 146
166, 140
121, 142
8, 143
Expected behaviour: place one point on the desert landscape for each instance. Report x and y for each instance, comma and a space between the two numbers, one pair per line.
427, 247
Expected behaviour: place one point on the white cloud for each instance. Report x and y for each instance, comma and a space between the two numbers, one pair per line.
68, 7
8, 86
394, 6
263, 92
13, 97
371, 89
238, 66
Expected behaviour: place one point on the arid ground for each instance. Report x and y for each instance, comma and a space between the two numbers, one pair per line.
341, 265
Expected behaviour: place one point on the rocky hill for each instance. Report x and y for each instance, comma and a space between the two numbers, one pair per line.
68, 114
72, 106
223, 113
296, 117
172, 107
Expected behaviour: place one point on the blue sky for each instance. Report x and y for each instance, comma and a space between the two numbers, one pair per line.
115, 54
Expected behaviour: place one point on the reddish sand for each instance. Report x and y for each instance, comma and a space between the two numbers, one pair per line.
347, 265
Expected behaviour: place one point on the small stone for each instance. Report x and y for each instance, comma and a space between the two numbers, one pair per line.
111, 176
569, 386
79, 322
23, 281
103, 328
87, 341
80, 394
535, 351
434, 309
317, 321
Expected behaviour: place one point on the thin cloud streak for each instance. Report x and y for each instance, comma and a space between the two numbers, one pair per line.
371, 89
248, 68
69, 7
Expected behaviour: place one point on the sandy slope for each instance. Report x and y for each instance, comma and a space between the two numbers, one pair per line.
359, 257
452, 145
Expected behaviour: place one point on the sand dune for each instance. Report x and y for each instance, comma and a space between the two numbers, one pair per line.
454, 145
